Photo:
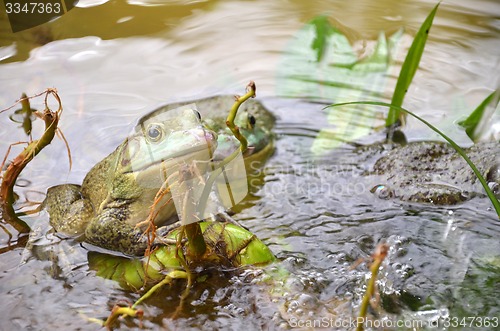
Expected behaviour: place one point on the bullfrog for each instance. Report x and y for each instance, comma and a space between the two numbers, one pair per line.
117, 193
433, 172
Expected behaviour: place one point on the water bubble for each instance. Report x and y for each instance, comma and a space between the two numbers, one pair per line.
307, 300
494, 187
21, 182
293, 306
383, 192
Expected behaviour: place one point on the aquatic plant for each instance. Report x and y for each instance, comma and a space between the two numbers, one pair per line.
14, 169
321, 64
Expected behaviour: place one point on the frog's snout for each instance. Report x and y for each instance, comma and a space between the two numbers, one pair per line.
210, 137
203, 136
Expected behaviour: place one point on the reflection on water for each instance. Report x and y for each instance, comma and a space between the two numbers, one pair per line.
113, 62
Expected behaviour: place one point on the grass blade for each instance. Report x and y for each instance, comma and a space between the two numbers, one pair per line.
408, 69
491, 196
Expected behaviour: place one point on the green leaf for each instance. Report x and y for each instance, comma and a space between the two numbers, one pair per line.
378, 60
346, 77
470, 123
410, 66
314, 62
228, 243
320, 64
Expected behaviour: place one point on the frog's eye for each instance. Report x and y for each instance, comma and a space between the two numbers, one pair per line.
154, 132
251, 120
198, 114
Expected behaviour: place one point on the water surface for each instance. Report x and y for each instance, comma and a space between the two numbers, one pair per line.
113, 61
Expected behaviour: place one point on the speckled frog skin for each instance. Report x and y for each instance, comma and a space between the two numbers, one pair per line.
118, 192
434, 172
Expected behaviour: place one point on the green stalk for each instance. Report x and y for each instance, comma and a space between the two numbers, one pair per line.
491, 196
370, 291
196, 243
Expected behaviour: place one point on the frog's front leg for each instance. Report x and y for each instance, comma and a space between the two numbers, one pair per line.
69, 212
110, 230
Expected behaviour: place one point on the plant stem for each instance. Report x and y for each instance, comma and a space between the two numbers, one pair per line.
13, 171
176, 274
243, 141
378, 258
251, 88
196, 243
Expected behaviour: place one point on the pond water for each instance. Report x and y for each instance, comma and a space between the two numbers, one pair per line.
114, 61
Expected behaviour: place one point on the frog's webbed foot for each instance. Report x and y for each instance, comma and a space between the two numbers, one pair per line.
110, 232
162, 234
69, 211
224, 217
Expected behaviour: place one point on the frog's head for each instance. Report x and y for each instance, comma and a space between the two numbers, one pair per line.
258, 136
161, 142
